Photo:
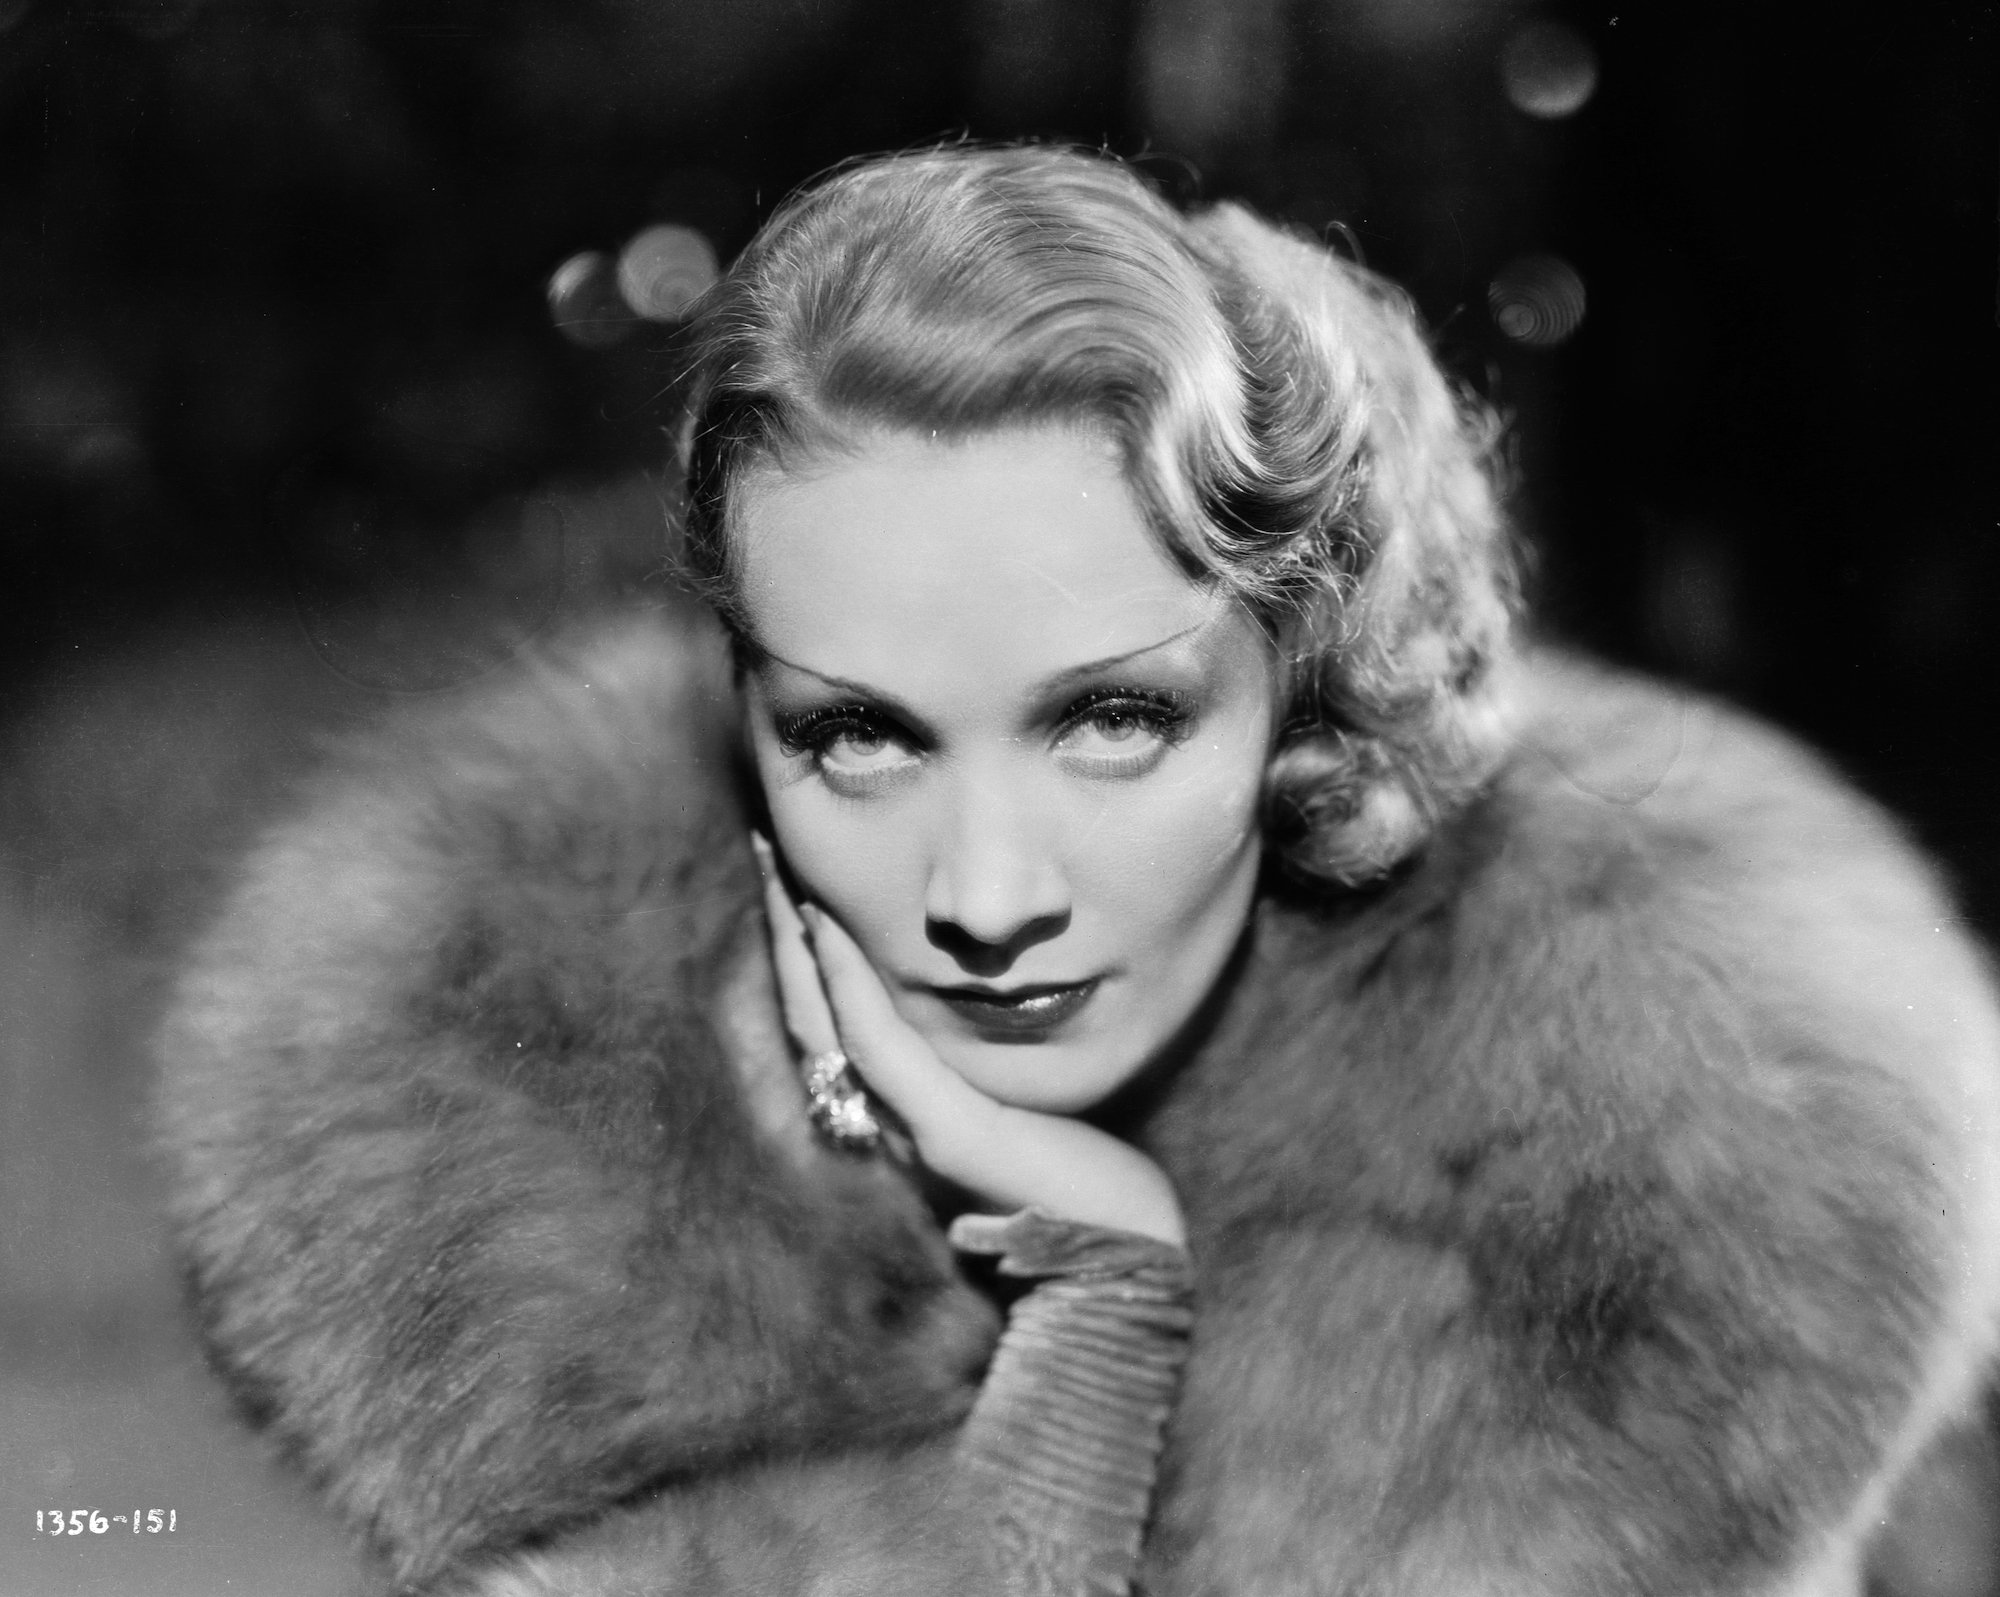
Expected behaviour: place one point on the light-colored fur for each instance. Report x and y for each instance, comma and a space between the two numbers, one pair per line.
1607, 1204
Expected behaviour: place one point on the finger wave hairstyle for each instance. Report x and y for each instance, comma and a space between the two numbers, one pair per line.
1279, 418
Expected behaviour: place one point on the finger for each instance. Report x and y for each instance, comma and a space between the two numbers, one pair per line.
808, 1017
890, 1053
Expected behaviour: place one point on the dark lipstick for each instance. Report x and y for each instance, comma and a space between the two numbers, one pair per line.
1020, 1014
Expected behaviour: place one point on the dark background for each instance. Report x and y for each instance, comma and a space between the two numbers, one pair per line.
290, 430
273, 326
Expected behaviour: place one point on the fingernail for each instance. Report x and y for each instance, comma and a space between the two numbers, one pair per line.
809, 913
760, 846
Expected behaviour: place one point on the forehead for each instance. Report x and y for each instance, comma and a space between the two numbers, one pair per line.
1023, 549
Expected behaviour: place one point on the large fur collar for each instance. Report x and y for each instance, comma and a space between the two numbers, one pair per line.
1611, 1196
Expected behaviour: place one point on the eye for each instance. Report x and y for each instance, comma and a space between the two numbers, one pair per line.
862, 750
1112, 724
1118, 732
846, 742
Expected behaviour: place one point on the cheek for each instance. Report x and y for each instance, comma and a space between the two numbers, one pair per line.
1161, 862
845, 857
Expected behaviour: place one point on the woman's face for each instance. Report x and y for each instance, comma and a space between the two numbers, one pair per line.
1008, 745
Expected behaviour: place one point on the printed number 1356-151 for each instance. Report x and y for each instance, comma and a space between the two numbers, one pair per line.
55, 1522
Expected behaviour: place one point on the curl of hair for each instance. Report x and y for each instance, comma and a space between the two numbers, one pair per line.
1278, 417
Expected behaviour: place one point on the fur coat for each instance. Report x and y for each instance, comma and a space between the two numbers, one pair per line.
1608, 1203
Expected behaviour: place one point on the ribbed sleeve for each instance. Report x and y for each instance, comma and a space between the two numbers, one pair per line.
1059, 1454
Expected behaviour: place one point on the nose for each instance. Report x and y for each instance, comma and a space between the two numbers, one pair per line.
997, 885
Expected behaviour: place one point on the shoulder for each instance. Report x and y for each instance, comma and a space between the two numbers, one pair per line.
1642, 841
1660, 907
1657, 832
1600, 752
1661, 898
1670, 986
472, 1192
621, 730
538, 802
1647, 1120
518, 875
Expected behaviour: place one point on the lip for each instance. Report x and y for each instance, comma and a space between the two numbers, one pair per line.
1017, 1014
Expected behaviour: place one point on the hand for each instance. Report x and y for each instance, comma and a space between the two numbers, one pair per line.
1012, 1157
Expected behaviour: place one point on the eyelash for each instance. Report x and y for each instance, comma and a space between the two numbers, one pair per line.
1168, 715
813, 731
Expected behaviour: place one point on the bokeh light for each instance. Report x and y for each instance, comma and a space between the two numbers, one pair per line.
1549, 69
585, 302
663, 269
1537, 300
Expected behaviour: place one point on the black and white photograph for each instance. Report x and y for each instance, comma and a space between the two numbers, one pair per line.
999, 798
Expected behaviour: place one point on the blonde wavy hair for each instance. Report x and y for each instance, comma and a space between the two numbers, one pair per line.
1277, 412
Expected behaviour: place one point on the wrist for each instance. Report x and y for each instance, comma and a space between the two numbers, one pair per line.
1033, 1244
1058, 1456
1018, 1158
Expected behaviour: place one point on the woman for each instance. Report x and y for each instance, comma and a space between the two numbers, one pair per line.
1575, 1105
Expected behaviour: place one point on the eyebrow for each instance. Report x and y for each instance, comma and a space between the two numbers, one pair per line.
1053, 684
